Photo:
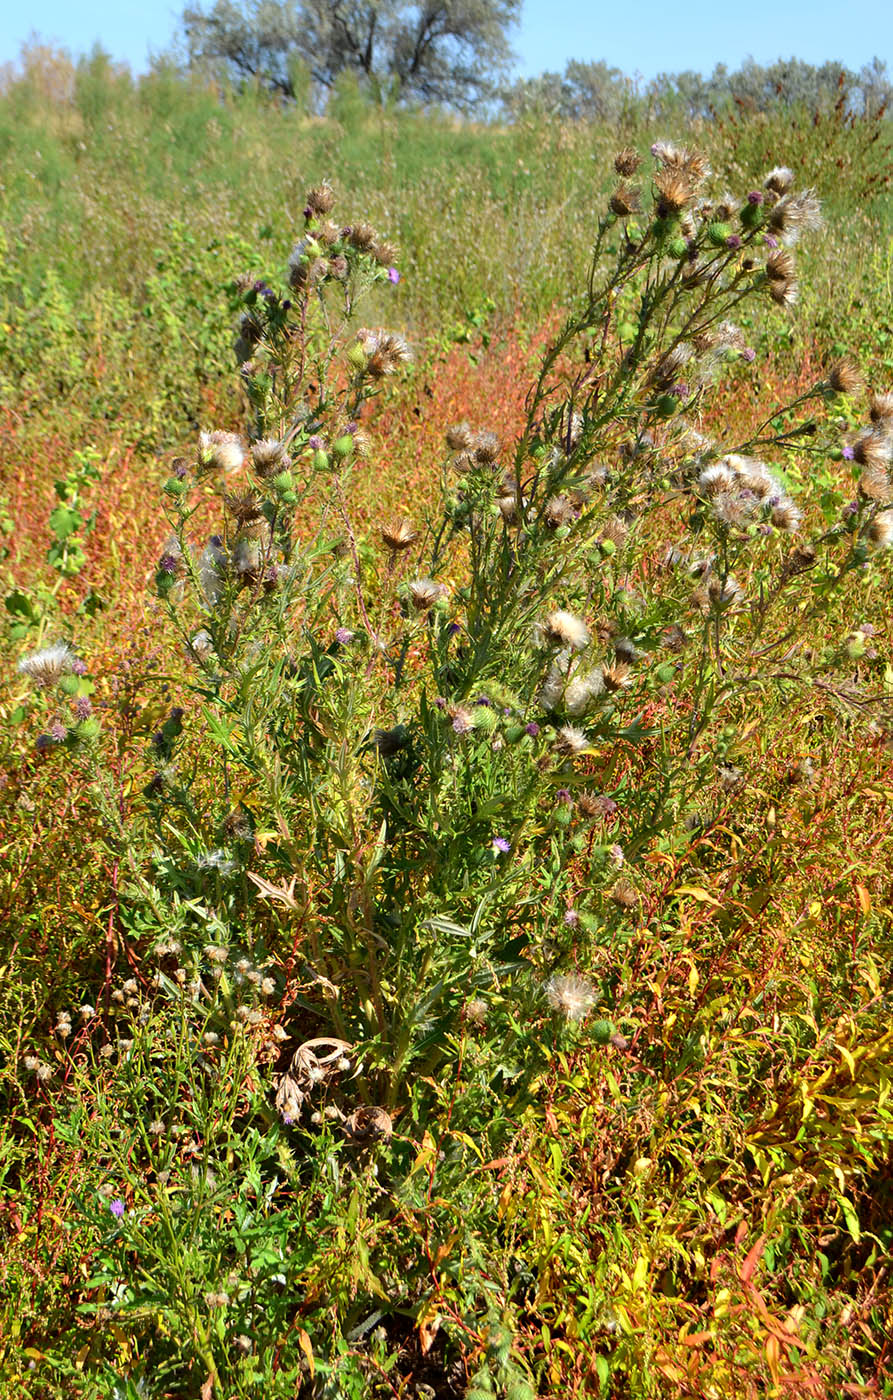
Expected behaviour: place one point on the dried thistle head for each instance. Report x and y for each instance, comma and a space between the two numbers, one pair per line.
675, 190
563, 628
880, 530
47, 666
321, 200
268, 457
571, 996
873, 450
485, 447
880, 410
361, 236
424, 593
617, 676
627, 161
570, 741
625, 895
779, 180
244, 506
795, 214
398, 536
220, 451
625, 200
385, 352
460, 437
845, 377
780, 266
385, 253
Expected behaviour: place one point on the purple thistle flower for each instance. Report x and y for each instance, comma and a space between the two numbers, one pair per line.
848, 453
733, 241
849, 510
82, 707
755, 197
563, 795
453, 628
748, 354
43, 742
571, 918
532, 729
344, 635
770, 241
393, 275
58, 732
167, 564
180, 472
316, 442
501, 845
79, 667
117, 1209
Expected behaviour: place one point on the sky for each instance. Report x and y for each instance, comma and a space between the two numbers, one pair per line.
643, 37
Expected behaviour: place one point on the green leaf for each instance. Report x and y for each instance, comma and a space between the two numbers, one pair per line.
64, 521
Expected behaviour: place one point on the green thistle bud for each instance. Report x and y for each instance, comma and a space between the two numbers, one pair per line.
666, 405
284, 481
665, 672
357, 356
751, 216
608, 547
320, 460
514, 733
174, 487
343, 446
602, 1031
677, 248
718, 233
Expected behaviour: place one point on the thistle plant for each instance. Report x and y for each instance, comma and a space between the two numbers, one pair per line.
407, 812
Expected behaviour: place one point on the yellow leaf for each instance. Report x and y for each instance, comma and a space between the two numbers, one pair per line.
693, 980
695, 892
306, 1346
850, 1062
640, 1274
864, 899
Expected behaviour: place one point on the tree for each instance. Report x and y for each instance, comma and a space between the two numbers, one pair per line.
447, 51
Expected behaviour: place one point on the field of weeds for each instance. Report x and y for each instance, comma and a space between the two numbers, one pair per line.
447, 705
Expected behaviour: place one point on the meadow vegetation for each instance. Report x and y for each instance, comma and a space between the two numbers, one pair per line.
446, 725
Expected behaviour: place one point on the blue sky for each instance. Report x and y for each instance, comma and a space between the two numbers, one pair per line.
639, 36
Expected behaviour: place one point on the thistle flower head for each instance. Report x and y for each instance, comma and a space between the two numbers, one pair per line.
424, 593
880, 411
47, 666
398, 536
571, 741
385, 352
627, 161
268, 456
880, 531
562, 628
321, 200
219, 451
571, 996
844, 377
779, 180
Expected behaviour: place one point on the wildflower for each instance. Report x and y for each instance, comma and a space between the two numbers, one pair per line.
267, 986
532, 729
779, 180
501, 845
616, 856
627, 161
321, 199
847, 453
393, 275
462, 720
47, 666
424, 593
570, 741
844, 377
44, 1073
83, 707
86, 1012
795, 214
117, 1208
476, 1011
625, 895
215, 953
564, 629
398, 536
571, 918
343, 636
269, 457
221, 451
201, 645
573, 997
880, 531
624, 201
58, 732
385, 352
31, 1062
